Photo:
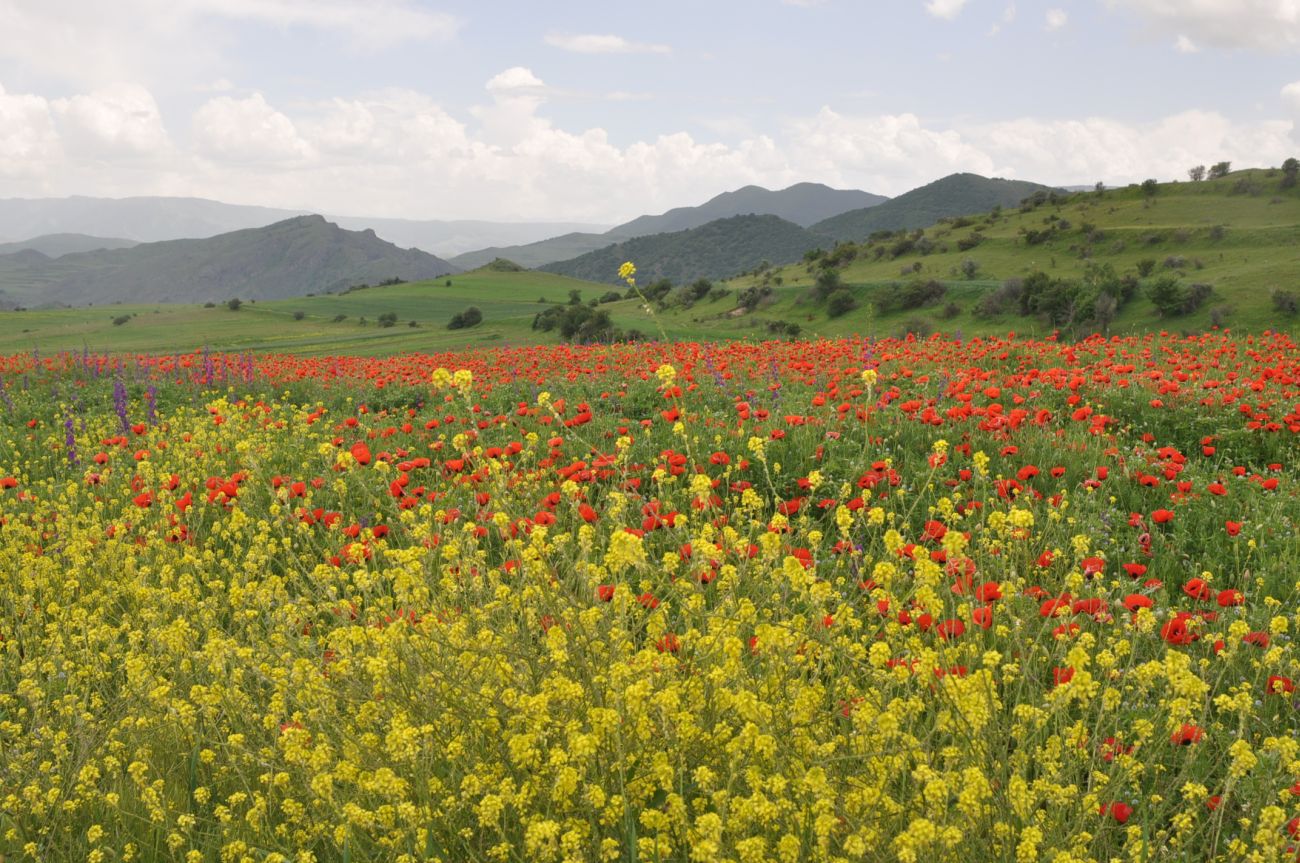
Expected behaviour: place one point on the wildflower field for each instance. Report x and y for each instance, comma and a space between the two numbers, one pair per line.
922, 600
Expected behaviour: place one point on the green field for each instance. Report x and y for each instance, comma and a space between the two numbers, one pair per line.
1239, 234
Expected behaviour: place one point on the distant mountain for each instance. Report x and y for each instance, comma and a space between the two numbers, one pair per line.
954, 195
57, 245
803, 204
153, 219
715, 250
305, 254
534, 255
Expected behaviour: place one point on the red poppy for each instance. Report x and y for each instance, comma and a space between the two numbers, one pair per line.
1162, 516
1187, 734
1278, 685
1119, 811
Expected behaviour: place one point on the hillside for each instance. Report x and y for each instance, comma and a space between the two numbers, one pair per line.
802, 204
302, 255
716, 250
1213, 252
58, 245
155, 219
954, 195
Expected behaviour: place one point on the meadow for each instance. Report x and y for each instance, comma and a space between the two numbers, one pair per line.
848, 599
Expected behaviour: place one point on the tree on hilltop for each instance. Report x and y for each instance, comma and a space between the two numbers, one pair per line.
1196, 174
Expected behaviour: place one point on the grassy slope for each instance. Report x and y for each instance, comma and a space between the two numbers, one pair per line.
1259, 251
508, 301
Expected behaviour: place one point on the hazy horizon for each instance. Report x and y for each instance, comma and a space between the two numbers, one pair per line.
596, 113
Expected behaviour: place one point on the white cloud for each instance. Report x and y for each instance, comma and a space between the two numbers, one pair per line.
29, 142
1291, 95
945, 9
116, 120
246, 131
155, 42
370, 25
598, 43
514, 80
1185, 45
1055, 19
400, 153
1262, 24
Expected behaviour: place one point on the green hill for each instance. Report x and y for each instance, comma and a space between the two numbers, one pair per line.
1218, 250
298, 256
954, 195
719, 249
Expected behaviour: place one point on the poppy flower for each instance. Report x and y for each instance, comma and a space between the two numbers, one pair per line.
1233, 527
1230, 597
1176, 630
982, 616
1279, 685
1187, 734
1162, 516
1119, 811
950, 629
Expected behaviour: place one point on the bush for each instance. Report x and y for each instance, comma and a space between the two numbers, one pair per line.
234, 303
1005, 299
387, 319
840, 302
298, 316
917, 327
920, 293
472, 317
1145, 267
1285, 302
338, 319
121, 319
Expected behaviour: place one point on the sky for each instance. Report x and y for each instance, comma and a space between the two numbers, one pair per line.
600, 111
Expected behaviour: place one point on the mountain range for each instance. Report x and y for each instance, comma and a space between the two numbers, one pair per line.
730, 233
801, 204
153, 219
297, 256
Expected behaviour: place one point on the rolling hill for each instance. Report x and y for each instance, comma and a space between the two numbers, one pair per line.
954, 195
305, 254
802, 204
721, 248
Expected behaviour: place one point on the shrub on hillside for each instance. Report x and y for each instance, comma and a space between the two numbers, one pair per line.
468, 318
840, 302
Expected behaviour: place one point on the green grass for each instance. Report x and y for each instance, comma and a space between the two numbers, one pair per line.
508, 302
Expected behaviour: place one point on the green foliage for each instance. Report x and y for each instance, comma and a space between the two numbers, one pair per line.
503, 265
840, 302
121, 319
1285, 302
387, 319
463, 320
234, 304
1220, 169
